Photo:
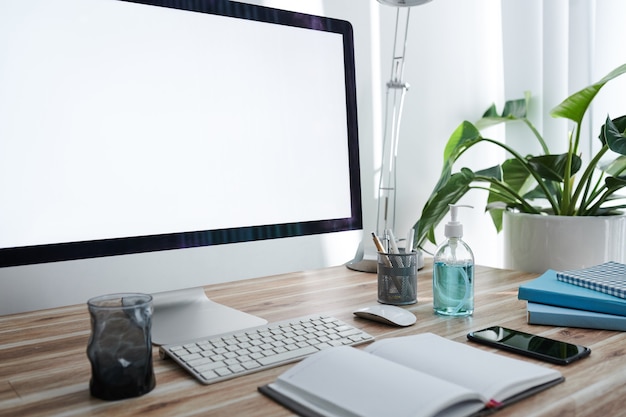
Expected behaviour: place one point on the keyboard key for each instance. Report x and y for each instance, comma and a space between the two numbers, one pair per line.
285, 356
210, 366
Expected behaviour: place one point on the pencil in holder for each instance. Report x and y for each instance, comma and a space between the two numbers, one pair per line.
397, 278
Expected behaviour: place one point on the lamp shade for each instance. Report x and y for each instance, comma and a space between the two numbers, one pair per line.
403, 3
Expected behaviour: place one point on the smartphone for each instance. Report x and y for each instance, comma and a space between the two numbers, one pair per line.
531, 345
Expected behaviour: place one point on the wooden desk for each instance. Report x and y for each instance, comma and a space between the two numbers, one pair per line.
44, 369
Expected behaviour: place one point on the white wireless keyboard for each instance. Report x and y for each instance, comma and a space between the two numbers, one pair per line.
229, 355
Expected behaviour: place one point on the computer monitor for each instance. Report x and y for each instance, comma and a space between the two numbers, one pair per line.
139, 137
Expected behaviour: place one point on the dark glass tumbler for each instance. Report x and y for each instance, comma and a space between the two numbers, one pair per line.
120, 346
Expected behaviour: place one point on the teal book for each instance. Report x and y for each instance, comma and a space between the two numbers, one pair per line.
547, 289
570, 317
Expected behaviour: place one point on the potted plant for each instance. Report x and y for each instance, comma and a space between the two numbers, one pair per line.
548, 185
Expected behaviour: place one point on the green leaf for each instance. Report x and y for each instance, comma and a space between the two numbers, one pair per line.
575, 106
491, 112
612, 185
613, 134
552, 167
496, 215
516, 109
615, 167
463, 137
494, 172
540, 193
615, 183
513, 110
438, 204
515, 176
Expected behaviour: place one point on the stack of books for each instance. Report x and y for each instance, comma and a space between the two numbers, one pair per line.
593, 298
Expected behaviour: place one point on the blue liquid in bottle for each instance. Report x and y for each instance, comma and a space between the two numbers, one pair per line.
453, 272
453, 288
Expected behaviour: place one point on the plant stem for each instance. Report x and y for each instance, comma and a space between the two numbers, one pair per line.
532, 128
587, 199
568, 178
598, 203
508, 194
587, 177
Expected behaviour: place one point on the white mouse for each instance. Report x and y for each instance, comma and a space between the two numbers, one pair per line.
387, 314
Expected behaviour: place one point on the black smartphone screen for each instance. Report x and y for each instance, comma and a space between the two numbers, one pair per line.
531, 345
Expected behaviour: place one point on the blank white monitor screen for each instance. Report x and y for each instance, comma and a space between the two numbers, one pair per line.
128, 127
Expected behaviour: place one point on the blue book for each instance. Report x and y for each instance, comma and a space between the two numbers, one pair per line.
547, 289
569, 317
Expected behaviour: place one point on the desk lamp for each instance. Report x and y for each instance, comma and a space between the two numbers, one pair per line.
396, 90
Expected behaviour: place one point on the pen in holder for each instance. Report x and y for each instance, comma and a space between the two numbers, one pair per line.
397, 278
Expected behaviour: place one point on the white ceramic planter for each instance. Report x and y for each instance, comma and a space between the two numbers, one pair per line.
535, 243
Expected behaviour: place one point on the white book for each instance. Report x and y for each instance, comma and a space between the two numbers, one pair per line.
421, 375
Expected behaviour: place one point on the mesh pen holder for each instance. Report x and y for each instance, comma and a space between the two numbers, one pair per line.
397, 278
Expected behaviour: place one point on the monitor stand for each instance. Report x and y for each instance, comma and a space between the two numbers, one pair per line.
364, 260
188, 314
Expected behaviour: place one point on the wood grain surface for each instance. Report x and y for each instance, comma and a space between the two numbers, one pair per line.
44, 369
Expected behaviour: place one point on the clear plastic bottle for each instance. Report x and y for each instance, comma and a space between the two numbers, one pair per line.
453, 272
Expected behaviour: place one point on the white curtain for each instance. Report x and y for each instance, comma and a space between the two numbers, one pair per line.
554, 48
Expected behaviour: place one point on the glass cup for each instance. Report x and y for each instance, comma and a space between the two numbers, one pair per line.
120, 346
397, 278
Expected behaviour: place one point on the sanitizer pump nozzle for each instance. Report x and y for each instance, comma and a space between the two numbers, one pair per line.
454, 228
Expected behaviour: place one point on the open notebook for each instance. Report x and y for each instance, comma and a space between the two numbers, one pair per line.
422, 375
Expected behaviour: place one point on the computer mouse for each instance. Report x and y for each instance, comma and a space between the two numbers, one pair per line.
388, 314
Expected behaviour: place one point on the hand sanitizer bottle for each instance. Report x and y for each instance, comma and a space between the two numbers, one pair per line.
453, 272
